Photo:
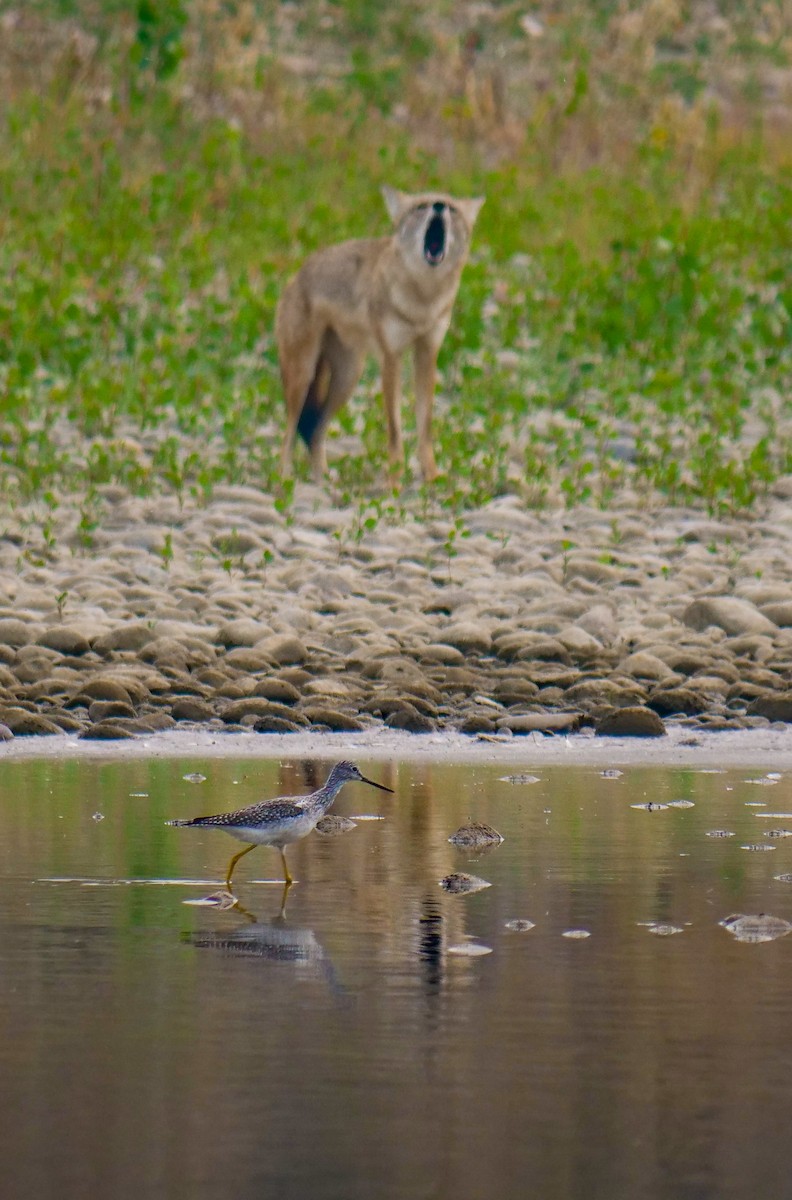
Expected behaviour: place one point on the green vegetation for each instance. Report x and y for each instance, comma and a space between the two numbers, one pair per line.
626, 318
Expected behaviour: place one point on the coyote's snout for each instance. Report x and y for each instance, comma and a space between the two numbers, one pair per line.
372, 295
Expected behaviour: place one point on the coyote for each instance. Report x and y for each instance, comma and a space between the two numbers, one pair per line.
372, 295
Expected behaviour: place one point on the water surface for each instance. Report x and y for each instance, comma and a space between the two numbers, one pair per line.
348, 1047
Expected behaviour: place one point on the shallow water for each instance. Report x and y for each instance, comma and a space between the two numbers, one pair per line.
350, 1047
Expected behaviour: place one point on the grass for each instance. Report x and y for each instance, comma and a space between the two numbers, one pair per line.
626, 319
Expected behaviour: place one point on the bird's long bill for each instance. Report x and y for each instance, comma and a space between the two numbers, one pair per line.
381, 786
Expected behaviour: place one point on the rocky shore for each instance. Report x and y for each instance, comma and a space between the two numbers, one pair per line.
241, 614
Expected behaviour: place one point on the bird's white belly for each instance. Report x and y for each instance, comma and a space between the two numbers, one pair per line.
274, 833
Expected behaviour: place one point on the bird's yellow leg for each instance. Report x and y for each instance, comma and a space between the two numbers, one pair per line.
282, 913
287, 879
234, 862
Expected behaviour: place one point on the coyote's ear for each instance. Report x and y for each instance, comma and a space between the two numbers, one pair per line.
395, 202
470, 209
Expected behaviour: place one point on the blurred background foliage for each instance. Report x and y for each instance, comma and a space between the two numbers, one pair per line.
625, 320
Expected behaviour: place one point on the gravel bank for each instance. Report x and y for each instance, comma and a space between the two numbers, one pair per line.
235, 616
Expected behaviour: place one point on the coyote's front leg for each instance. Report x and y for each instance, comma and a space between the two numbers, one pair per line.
425, 361
391, 394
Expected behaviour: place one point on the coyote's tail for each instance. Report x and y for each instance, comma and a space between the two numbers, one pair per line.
311, 413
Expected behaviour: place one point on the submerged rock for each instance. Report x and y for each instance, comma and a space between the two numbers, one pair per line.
760, 928
459, 883
476, 833
332, 825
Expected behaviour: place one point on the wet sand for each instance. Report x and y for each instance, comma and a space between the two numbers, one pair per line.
760, 750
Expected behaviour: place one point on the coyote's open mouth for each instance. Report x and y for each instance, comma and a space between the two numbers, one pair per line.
435, 241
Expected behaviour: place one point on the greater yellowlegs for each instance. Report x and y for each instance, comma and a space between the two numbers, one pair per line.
283, 820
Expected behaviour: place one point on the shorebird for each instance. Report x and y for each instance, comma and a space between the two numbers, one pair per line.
283, 820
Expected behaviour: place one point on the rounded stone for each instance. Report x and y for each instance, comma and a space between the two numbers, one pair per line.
189, 709
101, 710
730, 614
243, 631
283, 649
65, 721
277, 689
28, 724
475, 724
212, 677
666, 701
410, 721
319, 714
166, 652
541, 722
643, 665
257, 706
515, 691
273, 724
106, 731
579, 643
100, 689
780, 613
15, 633
247, 659
439, 652
152, 722
33, 670
775, 707
636, 721
457, 679
469, 637
132, 636
64, 639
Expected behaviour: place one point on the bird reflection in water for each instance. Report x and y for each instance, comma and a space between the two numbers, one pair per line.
272, 941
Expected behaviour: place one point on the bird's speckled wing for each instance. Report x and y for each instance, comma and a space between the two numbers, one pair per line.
268, 811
